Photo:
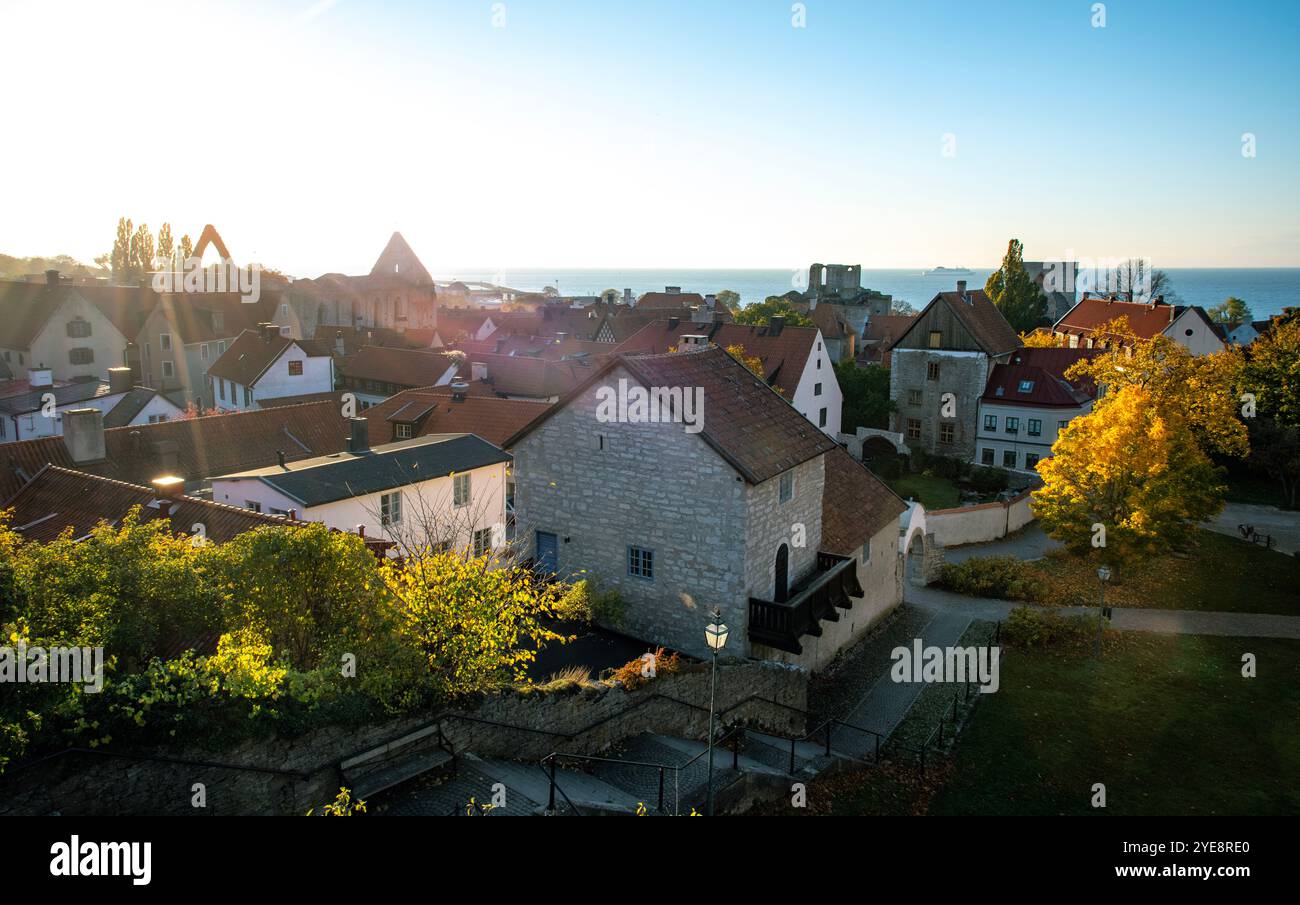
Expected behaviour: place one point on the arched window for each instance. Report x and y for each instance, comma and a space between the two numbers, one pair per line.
781, 593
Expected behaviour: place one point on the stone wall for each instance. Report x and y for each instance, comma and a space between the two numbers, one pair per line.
882, 584
601, 487
964, 374
99, 785
980, 524
772, 523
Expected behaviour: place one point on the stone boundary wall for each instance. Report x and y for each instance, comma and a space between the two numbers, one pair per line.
979, 524
97, 785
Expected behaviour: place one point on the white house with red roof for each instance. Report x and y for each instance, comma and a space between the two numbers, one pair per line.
1187, 325
264, 365
1027, 402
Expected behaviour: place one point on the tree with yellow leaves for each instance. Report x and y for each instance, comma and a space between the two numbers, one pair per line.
752, 362
1039, 339
1128, 481
1202, 390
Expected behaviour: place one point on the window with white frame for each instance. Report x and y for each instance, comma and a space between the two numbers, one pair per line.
460, 490
641, 563
390, 508
482, 542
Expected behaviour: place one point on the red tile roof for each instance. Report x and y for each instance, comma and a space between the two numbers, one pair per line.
1091, 312
1044, 369
200, 447
25, 307
669, 300
434, 411
516, 375
756, 431
784, 353
856, 505
403, 367
56, 499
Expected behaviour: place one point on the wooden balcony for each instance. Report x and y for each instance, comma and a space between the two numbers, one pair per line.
816, 599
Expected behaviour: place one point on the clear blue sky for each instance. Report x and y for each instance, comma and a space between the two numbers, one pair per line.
673, 134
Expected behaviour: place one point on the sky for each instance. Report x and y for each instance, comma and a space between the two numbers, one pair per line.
673, 133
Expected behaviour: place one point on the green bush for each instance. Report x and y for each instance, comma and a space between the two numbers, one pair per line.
1004, 577
1037, 627
988, 480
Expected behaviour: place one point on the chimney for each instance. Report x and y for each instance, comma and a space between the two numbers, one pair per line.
561, 337
627, 298
775, 324
673, 322
338, 342
710, 300
119, 380
83, 435
266, 331
279, 458
359, 438
961, 290
51, 278
40, 377
168, 487
199, 408
478, 370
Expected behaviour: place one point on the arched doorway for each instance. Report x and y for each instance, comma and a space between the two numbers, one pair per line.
781, 591
916, 559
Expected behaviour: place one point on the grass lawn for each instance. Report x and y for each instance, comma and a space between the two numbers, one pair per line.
1220, 573
933, 492
1166, 722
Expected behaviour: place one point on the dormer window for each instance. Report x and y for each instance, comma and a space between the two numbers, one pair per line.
1000, 391
402, 431
1026, 386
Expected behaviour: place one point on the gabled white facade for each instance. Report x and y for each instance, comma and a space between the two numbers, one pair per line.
292, 373
817, 396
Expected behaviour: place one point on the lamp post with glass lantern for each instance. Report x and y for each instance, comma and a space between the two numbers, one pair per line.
716, 636
1104, 575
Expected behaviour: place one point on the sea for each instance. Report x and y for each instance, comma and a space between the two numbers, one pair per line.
1266, 290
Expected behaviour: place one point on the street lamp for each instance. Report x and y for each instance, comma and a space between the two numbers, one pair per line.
1104, 575
716, 636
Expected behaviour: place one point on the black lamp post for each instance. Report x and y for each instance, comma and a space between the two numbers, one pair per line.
716, 636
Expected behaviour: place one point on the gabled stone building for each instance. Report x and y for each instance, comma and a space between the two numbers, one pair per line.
940, 366
757, 512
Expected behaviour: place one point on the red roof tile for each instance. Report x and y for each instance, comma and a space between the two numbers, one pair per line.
434, 411
403, 367
60, 498
856, 504
1044, 371
784, 353
760, 434
1091, 312
201, 447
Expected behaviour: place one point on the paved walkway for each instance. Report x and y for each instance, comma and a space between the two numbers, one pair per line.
1173, 622
886, 703
1283, 525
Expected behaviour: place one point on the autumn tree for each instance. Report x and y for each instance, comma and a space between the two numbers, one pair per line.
475, 626
1014, 292
760, 313
1201, 390
186, 248
166, 247
1271, 377
1128, 480
1039, 339
1232, 311
119, 259
728, 299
